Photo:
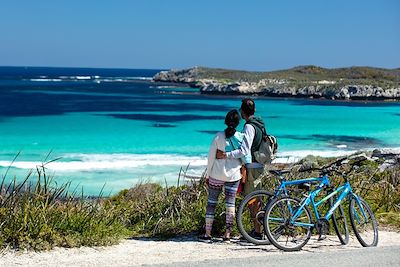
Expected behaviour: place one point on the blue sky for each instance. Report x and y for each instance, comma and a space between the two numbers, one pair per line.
251, 35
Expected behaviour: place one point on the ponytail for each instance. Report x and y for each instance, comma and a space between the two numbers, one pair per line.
232, 120
229, 131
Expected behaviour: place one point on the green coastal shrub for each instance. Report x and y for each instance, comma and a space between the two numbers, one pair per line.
40, 215
152, 210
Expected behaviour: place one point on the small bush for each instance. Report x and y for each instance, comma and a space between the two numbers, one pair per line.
40, 216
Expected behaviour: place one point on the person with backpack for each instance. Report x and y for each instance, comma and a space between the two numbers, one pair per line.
254, 134
224, 173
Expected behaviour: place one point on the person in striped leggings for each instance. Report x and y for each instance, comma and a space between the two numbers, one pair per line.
224, 174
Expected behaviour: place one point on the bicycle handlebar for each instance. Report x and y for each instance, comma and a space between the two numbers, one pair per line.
332, 166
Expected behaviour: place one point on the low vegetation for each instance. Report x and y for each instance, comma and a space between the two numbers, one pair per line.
306, 74
38, 216
41, 215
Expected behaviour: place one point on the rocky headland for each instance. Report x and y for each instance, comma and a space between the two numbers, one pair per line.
355, 83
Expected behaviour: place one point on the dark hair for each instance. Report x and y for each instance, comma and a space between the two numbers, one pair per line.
248, 106
232, 120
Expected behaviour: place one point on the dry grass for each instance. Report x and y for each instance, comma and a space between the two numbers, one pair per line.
40, 215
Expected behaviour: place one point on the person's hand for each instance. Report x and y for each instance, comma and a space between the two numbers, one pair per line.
220, 154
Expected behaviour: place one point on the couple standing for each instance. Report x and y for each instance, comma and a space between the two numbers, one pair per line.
231, 150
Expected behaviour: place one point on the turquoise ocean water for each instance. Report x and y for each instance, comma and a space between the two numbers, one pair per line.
116, 127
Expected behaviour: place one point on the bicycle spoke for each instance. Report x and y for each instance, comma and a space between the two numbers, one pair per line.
285, 232
277, 232
250, 217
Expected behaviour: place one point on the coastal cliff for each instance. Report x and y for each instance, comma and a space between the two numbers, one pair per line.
355, 83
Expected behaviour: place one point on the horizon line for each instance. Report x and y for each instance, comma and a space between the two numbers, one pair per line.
195, 66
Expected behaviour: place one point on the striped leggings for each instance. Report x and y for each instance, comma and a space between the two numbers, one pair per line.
214, 189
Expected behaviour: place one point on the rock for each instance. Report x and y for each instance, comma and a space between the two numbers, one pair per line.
360, 157
178, 76
390, 158
386, 153
276, 87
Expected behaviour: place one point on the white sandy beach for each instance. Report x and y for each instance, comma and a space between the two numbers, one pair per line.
183, 249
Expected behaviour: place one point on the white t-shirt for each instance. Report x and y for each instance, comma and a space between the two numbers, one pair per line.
227, 170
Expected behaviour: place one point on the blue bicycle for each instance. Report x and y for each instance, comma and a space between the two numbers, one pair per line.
288, 223
251, 211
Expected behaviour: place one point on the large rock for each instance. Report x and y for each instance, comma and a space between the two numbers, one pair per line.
213, 87
386, 153
389, 158
178, 76
367, 91
277, 87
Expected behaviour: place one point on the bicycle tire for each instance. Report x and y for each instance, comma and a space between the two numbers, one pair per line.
340, 224
242, 218
357, 219
286, 229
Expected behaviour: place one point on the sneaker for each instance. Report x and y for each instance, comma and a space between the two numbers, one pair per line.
256, 235
205, 238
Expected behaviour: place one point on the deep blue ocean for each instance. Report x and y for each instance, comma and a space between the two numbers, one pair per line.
117, 127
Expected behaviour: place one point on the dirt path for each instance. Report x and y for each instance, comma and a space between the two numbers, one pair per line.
182, 249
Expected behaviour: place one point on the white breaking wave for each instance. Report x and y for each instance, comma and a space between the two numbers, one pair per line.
94, 78
142, 78
45, 80
125, 79
165, 87
83, 77
85, 162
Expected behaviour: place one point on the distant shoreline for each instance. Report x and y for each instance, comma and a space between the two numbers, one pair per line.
304, 82
238, 95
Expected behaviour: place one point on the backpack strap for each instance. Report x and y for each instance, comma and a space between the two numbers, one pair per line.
260, 133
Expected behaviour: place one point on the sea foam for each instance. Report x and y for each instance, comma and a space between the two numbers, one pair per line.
95, 78
85, 162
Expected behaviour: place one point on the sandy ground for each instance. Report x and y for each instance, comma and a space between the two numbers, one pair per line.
183, 249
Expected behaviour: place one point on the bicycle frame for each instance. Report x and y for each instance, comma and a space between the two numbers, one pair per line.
324, 181
285, 214
344, 190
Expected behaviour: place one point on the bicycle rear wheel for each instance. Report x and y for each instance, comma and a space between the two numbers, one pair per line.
340, 224
250, 215
363, 222
283, 232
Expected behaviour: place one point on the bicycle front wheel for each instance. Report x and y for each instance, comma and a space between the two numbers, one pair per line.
340, 224
250, 216
284, 231
363, 222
